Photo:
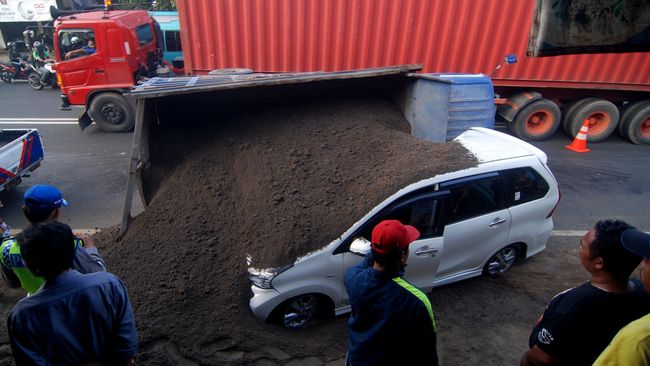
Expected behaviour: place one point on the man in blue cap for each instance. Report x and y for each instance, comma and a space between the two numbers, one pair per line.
42, 203
631, 346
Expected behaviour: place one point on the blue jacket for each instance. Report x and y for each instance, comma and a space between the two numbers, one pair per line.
74, 319
392, 321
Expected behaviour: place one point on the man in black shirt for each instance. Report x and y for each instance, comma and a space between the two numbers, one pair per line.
580, 322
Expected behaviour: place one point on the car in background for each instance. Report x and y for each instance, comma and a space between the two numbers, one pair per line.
472, 221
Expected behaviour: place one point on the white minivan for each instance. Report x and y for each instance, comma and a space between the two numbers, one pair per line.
472, 221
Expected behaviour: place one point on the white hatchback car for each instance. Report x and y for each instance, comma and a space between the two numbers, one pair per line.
472, 221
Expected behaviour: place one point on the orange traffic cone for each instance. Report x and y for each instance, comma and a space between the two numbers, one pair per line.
579, 144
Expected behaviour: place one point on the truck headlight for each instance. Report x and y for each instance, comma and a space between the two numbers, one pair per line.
262, 277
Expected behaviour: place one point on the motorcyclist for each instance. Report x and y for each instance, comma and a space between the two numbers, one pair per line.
41, 56
14, 58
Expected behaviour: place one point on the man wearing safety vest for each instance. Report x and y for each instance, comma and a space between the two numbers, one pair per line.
392, 321
43, 203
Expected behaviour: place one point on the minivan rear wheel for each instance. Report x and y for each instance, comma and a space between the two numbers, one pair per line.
502, 260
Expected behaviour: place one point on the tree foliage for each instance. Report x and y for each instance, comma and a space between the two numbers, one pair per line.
146, 4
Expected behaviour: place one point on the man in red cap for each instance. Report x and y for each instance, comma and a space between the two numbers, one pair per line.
392, 321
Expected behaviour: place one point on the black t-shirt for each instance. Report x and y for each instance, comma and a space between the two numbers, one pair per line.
579, 323
14, 55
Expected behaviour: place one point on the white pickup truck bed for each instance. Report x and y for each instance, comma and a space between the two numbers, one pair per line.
21, 152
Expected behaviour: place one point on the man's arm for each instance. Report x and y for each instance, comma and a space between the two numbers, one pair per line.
536, 357
20, 349
125, 338
78, 52
425, 337
87, 259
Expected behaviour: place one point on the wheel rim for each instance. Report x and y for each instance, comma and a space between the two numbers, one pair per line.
34, 81
113, 113
502, 260
300, 311
539, 122
645, 128
598, 123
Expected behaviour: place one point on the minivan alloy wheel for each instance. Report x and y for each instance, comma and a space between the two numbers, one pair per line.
300, 311
502, 260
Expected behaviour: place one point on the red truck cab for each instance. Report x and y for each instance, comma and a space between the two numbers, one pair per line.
125, 49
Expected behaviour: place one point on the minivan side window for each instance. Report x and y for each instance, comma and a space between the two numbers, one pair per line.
474, 197
421, 213
524, 185
144, 33
420, 209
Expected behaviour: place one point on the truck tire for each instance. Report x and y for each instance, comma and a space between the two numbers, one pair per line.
637, 125
602, 116
626, 112
112, 112
537, 121
569, 112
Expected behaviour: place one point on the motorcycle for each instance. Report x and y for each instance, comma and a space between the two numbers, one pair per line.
7, 70
35, 75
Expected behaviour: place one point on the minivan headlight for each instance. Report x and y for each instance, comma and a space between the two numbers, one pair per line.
262, 277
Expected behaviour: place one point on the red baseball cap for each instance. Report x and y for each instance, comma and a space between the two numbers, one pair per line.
391, 235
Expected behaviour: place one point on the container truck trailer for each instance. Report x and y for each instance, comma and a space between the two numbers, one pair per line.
611, 90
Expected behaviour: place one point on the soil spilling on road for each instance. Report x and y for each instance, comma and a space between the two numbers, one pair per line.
275, 184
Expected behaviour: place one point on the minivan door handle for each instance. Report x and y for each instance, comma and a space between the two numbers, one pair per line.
426, 250
99, 71
497, 222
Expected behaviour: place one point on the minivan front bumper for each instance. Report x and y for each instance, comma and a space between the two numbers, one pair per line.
264, 301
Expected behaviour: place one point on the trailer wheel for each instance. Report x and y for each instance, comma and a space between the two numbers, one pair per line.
602, 116
626, 112
537, 121
637, 126
568, 114
112, 112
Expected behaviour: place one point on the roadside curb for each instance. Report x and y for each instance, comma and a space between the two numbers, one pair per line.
14, 232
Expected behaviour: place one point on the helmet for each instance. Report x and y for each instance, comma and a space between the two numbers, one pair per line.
38, 44
75, 40
11, 45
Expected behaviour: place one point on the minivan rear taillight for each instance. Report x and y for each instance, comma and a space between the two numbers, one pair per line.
559, 197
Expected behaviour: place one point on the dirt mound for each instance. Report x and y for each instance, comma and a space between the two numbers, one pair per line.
276, 184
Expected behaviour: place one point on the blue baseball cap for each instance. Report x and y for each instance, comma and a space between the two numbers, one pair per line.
636, 242
44, 197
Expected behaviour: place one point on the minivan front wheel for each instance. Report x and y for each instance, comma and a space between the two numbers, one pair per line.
502, 260
299, 312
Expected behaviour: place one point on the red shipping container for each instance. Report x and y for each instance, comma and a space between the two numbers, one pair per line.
445, 36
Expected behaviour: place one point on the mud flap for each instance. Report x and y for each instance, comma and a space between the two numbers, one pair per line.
84, 120
515, 103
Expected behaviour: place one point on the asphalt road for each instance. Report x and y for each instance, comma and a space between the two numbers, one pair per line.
91, 168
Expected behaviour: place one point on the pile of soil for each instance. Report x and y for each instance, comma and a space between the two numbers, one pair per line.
183, 260
276, 183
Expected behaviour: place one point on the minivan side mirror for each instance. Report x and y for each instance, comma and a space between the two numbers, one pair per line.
360, 246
